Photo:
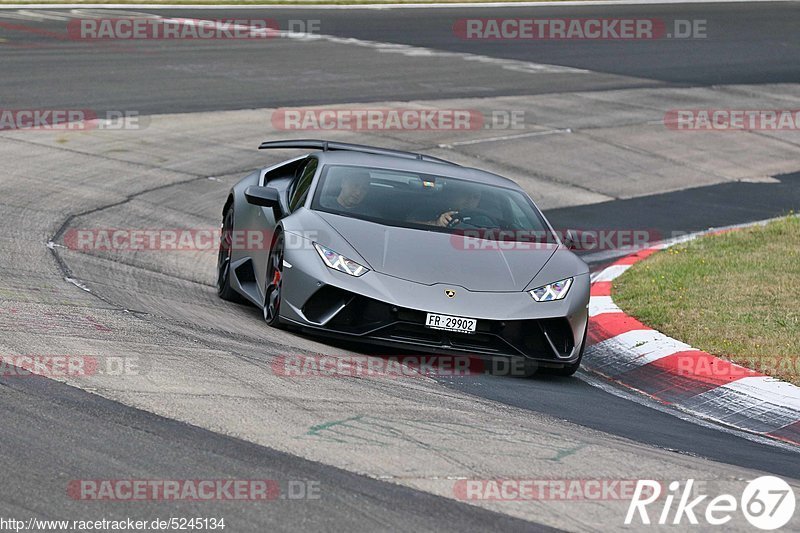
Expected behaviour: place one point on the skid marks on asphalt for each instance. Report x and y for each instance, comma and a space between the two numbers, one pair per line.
436, 435
41, 318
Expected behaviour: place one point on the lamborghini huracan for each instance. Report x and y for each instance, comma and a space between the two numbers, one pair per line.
405, 250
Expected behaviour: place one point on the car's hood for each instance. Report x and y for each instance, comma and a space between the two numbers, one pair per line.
431, 257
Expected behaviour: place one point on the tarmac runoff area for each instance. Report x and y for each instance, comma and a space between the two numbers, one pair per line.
208, 362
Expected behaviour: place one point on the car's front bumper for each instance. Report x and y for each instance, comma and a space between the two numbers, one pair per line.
385, 310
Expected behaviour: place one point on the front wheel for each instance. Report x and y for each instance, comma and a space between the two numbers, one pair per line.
565, 371
274, 284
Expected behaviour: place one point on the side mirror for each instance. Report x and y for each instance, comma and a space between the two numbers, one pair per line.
570, 239
263, 196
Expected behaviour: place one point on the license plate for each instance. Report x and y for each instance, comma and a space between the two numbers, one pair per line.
451, 323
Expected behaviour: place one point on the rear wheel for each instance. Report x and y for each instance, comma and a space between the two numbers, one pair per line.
224, 289
274, 284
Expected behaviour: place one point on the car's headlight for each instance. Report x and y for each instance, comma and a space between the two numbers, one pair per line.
552, 291
340, 262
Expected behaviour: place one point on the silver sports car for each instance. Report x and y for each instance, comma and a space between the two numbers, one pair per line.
404, 250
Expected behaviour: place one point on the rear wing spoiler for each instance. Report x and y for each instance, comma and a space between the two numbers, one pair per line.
325, 146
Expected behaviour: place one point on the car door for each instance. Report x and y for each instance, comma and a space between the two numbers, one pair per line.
296, 193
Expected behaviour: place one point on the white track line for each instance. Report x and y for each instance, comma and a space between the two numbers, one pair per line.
418, 51
505, 137
515, 65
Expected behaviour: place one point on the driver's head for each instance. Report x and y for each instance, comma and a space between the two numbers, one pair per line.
465, 195
355, 186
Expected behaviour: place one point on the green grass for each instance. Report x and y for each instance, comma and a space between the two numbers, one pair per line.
735, 295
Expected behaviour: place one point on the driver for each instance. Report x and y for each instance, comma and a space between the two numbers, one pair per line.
462, 198
354, 189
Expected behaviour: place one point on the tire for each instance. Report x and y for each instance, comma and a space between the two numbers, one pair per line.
224, 289
274, 284
565, 371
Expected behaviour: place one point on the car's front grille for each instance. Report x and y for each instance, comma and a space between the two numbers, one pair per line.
359, 315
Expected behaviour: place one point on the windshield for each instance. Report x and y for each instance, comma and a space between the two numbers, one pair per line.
429, 202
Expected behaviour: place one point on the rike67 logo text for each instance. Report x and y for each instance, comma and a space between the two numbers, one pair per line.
767, 503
